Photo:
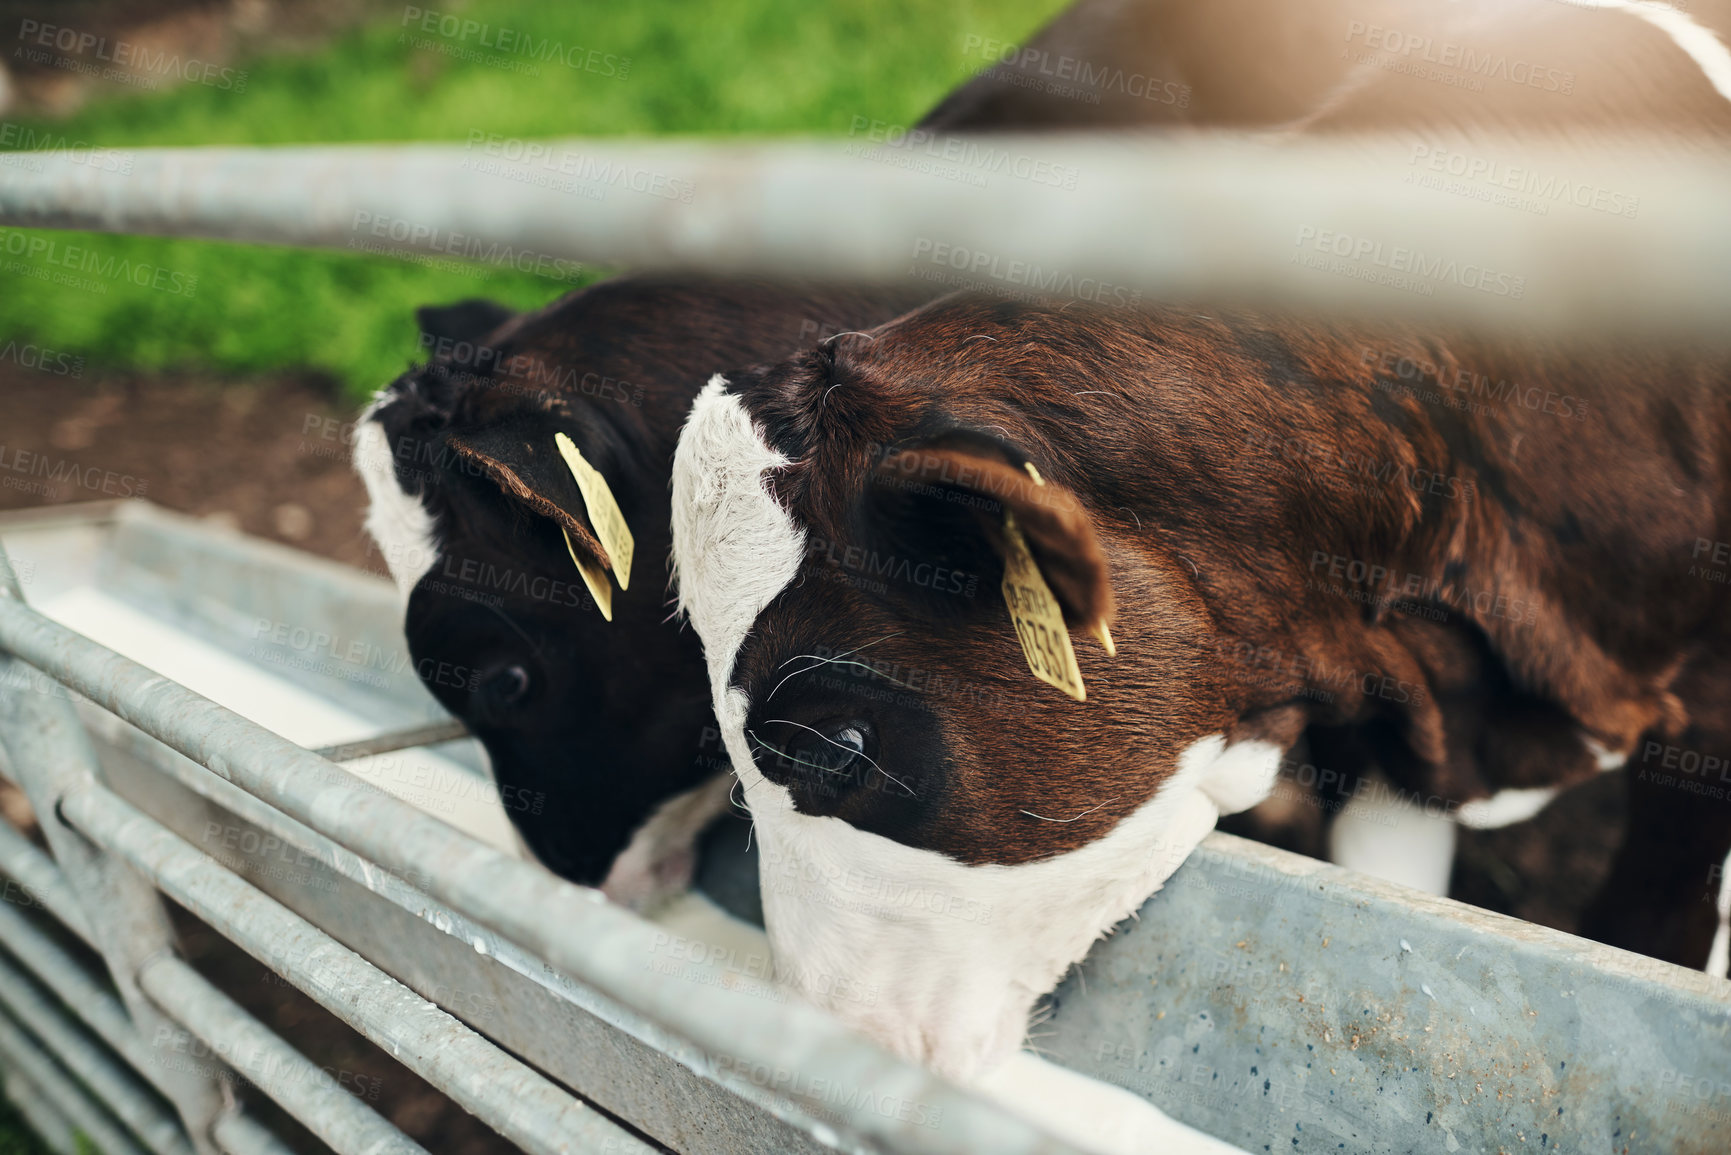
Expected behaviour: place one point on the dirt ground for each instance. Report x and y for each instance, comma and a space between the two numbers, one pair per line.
214, 31
271, 459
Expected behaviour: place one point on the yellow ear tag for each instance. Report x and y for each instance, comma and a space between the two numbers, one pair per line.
1038, 620
594, 577
610, 528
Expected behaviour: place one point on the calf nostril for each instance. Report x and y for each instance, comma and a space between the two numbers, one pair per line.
507, 686
513, 683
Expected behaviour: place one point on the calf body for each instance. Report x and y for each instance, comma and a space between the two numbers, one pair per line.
1519, 602
1356, 65
474, 539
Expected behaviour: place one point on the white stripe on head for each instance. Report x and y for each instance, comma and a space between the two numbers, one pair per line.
398, 522
734, 547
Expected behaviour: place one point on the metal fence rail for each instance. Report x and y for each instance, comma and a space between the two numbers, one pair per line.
1318, 224
573, 928
520, 1104
1189, 219
374, 836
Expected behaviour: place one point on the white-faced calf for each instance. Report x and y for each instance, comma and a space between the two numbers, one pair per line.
938, 822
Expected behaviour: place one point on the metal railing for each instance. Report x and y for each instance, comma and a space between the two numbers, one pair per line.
815, 210
1343, 224
321, 807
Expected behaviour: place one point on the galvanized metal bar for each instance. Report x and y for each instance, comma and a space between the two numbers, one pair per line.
238, 1133
51, 754
63, 974
23, 1053
296, 1083
113, 1082
21, 861
1203, 217
573, 928
1298, 1000
508, 1096
431, 734
44, 1118
600, 1048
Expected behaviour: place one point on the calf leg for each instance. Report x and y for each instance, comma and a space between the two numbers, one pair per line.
1666, 893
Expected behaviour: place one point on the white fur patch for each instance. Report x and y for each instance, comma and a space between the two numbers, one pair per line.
734, 548
399, 523
1700, 44
1505, 807
953, 956
1382, 834
1604, 758
1242, 776
1719, 954
1095, 1116
659, 860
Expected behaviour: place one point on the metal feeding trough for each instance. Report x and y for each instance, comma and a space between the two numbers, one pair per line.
1277, 1002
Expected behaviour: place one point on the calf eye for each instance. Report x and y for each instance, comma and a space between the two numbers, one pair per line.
840, 748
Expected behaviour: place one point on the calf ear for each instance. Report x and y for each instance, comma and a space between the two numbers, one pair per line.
426, 396
964, 492
468, 320
538, 467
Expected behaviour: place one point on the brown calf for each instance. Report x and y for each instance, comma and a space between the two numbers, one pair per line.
1496, 577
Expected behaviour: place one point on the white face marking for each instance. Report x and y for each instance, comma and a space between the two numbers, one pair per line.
1383, 834
734, 548
1505, 807
400, 524
658, 861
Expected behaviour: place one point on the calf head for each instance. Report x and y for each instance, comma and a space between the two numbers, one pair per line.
592, 720
934, 823
561, 659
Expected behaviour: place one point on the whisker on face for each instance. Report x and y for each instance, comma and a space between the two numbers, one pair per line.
820, 661
849, 654
751, 828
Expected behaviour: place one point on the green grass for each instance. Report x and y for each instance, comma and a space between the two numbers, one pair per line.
695, 67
